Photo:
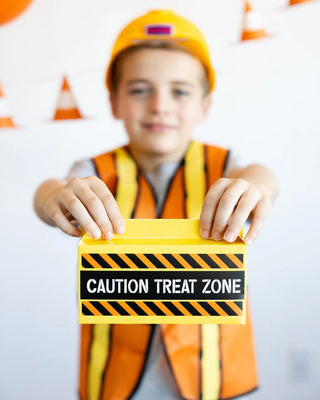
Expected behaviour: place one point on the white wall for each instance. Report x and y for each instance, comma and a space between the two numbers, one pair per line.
266, 106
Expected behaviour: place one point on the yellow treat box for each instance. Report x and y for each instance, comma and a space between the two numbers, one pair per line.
161, 271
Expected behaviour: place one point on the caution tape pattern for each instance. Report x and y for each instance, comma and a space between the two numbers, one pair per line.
161, 261
162, 308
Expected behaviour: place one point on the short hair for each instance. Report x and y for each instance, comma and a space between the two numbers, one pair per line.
115, 69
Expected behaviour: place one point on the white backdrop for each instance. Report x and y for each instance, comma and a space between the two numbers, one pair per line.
266, 106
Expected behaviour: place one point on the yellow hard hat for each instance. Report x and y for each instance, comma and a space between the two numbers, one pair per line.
163, 25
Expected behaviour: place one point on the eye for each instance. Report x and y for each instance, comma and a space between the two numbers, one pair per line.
181, 92
138, 91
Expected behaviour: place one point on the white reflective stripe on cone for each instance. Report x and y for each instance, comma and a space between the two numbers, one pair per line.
4, 109
252, 21
66, 101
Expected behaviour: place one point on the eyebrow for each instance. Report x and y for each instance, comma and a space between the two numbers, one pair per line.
135, 81
182, 83
146, 81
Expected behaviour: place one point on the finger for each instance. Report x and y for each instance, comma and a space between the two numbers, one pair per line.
259, 217
56, 215
246, 204
226, 207
96, 210
110, 205
77, 208
210, 204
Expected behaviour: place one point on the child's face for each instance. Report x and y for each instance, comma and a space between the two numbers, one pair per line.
160, 99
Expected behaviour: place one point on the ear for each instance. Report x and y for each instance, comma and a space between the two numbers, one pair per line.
113, 98
205, 107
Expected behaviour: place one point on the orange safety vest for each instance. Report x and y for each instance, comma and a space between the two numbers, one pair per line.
208, 362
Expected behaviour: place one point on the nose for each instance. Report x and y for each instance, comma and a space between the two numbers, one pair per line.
159, 102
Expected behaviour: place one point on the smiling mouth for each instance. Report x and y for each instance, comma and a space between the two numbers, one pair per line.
159, 127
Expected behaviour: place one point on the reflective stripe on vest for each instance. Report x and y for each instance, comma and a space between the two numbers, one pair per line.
98, 356
210, 362
127, 183
195, 180
201, 366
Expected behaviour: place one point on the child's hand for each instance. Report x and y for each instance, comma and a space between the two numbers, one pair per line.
87, 202
227, 206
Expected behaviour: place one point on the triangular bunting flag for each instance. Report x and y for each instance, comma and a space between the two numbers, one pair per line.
293, 2
66, 107
252, 24
5, 118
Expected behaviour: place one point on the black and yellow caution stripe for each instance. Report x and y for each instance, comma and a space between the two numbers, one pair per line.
161, 261
162, 308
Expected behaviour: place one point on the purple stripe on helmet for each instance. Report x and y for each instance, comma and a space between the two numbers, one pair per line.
161, 30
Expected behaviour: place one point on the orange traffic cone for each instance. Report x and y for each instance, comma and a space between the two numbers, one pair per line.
252, 24
5, 119
67, 107
293, 2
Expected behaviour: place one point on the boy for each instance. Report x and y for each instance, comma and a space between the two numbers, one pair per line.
160, 78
